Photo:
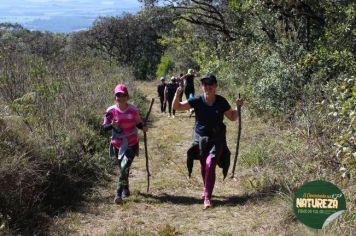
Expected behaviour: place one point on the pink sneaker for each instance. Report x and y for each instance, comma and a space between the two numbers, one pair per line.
207, 204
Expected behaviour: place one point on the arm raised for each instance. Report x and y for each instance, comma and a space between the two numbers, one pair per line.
177, 105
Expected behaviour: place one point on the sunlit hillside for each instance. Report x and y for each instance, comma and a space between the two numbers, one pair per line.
291, 62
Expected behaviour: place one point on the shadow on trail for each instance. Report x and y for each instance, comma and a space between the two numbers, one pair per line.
175, 199
217, 200
239, 200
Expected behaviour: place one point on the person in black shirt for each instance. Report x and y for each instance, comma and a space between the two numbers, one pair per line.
170, 92
209, 139
160, 90
189, 84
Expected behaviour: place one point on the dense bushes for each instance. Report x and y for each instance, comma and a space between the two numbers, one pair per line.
36, 179
52, 148
343, 109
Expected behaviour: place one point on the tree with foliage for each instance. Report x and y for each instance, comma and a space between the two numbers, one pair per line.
133, 39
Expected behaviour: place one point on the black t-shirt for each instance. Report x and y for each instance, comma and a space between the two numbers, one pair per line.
171, 89
189, 82
208, 117
160, 90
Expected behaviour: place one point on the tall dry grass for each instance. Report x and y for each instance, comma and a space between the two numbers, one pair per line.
52, 148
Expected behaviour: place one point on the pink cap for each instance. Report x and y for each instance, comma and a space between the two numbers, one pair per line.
121, 88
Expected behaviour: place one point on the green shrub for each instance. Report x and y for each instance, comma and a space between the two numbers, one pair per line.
164, 66
343, 110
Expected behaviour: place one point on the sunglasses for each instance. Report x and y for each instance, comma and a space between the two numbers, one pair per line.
208, 82
121, 95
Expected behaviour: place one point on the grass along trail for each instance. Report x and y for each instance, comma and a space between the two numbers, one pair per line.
173, 205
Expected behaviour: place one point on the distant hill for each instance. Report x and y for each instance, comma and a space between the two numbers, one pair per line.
62, 16
61, 24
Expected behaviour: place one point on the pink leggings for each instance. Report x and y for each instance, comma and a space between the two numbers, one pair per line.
208, 165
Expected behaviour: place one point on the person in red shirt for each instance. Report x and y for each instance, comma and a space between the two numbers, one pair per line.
123, 119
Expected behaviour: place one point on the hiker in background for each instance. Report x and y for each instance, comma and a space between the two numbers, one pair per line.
160, 90
170, 92
123, 119
209, 139
189, 90
189, 84
179, 80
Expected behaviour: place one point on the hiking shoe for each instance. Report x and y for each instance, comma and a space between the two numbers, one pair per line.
207, 204
118, 198
126, 192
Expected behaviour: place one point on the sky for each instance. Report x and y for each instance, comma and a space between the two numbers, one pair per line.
62, 15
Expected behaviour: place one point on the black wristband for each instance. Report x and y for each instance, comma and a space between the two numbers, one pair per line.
107, 127
139, 125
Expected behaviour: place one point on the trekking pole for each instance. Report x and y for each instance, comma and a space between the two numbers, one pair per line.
238, 138
145, 143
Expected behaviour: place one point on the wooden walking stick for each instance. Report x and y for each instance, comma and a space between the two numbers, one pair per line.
238, 138
145, 143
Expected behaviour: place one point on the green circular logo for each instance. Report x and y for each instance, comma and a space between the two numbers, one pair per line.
317, 203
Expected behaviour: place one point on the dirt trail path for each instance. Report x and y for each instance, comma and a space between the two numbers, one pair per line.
173, 203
